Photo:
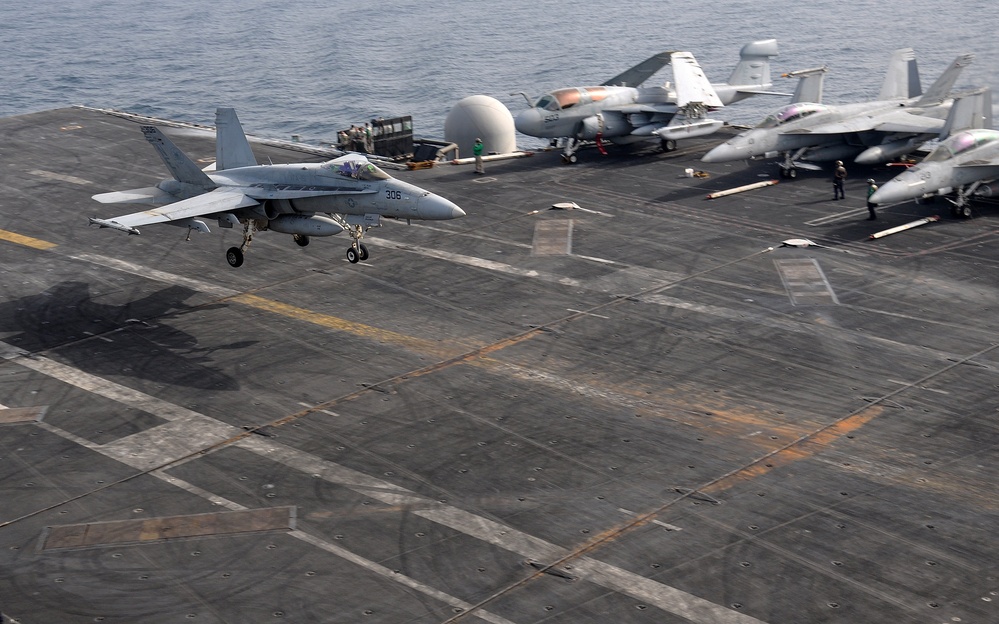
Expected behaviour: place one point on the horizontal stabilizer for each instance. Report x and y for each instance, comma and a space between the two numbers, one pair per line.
148, 195
690, 83
640, 73
181, 167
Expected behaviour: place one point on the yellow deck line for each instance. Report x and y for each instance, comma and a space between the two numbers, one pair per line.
27, 241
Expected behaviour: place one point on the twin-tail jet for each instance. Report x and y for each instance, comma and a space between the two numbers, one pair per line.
622, 111
302, 199
965, 163
899, 121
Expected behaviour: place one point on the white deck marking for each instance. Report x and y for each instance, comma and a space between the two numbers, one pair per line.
341, 552
51, 175
153, 274
611, 577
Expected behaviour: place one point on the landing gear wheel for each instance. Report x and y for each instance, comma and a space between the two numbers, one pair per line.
782, 172
363, 251
353, 256
964, 211
792, 173
302, 240
234, 256
669, 145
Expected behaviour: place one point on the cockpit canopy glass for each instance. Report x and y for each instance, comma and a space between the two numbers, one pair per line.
356, 168
961, 143
562, 99
791, 112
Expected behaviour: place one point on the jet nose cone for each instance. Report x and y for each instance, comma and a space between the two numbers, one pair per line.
725, 152
528, 122
436, 208
908, 185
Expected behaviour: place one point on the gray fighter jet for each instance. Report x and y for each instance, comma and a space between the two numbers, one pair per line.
964, 163
622, 111
304, 199
900, 120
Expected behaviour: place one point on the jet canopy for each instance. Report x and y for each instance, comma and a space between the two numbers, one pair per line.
962, 142
791, 112
358, 168
562, 99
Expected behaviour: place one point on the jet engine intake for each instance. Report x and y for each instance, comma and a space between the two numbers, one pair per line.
275, 207
605, 124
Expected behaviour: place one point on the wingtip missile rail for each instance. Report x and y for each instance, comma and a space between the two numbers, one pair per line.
114, 225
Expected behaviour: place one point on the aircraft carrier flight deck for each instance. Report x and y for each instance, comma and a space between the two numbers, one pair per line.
644, 408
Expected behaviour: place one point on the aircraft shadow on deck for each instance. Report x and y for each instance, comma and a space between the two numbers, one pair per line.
98, 338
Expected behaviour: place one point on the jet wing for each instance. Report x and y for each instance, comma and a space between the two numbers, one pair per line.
640, 73
690, 83
219, 200
898, 121
147, 195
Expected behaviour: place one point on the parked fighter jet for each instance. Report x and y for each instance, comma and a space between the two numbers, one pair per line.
304, 199
965, 162
622, 111
867, 132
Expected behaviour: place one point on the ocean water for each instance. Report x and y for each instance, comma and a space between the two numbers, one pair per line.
310, 67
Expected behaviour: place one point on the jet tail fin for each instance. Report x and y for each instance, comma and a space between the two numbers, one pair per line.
180, 165
809, 87
232, 150
638, 74
940, 90
753, 67
902, 78
970, 110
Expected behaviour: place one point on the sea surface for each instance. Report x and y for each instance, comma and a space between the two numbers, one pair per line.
311, 67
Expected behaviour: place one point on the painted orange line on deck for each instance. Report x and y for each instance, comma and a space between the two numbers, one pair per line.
802, 449
27, 241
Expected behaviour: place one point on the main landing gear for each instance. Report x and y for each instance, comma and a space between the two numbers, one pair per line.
569, 151
962, 203
234, 255
668, 145
357, 252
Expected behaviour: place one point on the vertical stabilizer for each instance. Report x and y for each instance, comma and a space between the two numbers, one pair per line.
754, 64
970, 110
809, 87
232, 150
940, 90
183, 168
902, 79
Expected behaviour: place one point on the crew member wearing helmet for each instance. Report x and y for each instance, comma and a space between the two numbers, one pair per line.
871, 187
838, 178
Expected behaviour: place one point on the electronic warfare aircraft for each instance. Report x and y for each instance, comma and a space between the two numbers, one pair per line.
964, 162
622, 111
900, 120
302, 199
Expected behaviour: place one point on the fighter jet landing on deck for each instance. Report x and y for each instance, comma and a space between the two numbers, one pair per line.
302, 199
